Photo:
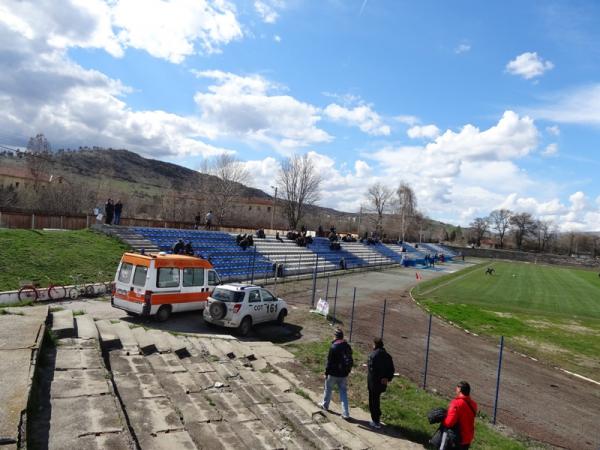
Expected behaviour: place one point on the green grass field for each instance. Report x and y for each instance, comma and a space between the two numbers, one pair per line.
34, 255
549, 312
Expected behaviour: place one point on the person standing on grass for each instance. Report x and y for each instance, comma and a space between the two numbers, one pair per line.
462, 411
208, 219
380, 373
118, 210
339, 365
109, 210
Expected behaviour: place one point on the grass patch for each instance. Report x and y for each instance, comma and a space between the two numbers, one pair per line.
35, 255
551, 313
78, 312
404, 405
5, 312
302, 393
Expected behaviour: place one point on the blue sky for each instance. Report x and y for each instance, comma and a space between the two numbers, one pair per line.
479, 105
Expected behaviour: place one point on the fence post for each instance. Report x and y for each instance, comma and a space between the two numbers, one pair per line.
427, 354
284, 266
32, 221
299, 263
335, 298
383, 317
327, 290
314, 285
253, 264
352, 315
61, 222
87, 220
498, 378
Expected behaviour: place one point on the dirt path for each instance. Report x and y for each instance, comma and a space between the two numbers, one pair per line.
535, 400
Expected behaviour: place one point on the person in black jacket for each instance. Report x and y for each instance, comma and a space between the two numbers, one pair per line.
380, 373
339, 365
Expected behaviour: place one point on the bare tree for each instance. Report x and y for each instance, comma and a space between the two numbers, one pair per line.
480, 226
407, 206
38, 158
230, 173
379, 197
299, 185
38, 144
500, 222
523, 224
545, 233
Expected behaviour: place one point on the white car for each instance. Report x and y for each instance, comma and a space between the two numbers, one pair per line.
243, 305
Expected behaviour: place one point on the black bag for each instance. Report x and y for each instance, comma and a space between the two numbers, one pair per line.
452, 436
436, 415
436, 440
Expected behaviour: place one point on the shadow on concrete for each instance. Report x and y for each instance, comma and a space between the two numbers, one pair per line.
39, 407
191, 322
393, 431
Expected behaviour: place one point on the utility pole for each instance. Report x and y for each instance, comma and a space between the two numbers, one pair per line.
273, 208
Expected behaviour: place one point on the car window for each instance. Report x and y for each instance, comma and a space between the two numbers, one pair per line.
167, 277
193, 277
253, 296
225, 295
139, 276
213, 278
125, 272
267, 296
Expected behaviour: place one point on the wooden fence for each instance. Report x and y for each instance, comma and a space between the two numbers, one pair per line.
38, 221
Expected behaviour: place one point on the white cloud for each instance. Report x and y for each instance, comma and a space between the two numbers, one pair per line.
462, 48
47, 92
251, 108
277, 38
169, 29
580, 106
361, 116
550, 150
362, 169
267, 9
553, 130
528, 65
407, 120
425, 131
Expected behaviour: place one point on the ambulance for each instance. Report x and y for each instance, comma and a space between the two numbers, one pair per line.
159, 284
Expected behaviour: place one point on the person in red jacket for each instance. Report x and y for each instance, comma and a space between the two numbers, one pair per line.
462, 410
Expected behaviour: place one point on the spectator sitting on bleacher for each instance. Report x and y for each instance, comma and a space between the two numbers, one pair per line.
239, 238
303, 230
189, 250
343, 263
301, 241
278, 237
320, 232
246, 241
334, 245
333, 237
308, 240
179, 247
260, 233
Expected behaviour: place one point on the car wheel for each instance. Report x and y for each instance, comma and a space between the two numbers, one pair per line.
245, 326
281, 317
163, 313
217, 310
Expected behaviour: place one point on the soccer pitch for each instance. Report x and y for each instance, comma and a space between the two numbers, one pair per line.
549, 312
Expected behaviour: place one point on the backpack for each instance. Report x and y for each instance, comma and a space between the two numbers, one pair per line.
347, 362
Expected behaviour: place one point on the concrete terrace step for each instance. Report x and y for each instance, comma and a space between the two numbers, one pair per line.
86, 328
63, 324
144, 341
109, 338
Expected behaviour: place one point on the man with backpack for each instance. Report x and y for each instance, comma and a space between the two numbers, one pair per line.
339, 365
461, 412
381, 371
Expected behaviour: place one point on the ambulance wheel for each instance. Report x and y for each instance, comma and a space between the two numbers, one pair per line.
245, 326
163, 313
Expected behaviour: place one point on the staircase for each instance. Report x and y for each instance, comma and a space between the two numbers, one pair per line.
136, 241
118, 385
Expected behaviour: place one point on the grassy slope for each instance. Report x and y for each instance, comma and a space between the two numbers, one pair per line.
404, 406
549, 312
33, 255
